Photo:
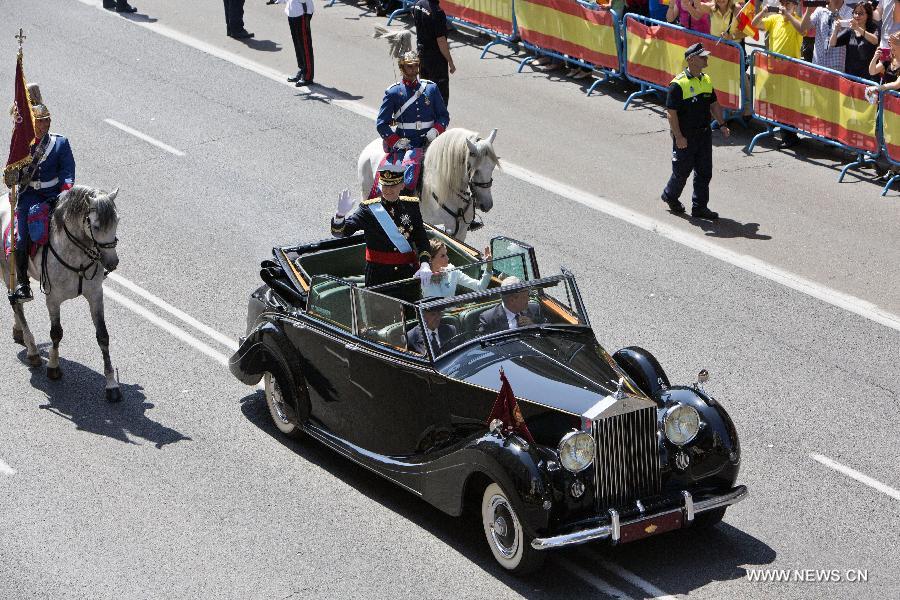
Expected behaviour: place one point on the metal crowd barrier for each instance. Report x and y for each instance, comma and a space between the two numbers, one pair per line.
653, 53
889, 130
576, 32
821, 103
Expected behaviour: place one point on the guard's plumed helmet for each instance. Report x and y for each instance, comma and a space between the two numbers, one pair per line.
391, 173
408, 58
39, 110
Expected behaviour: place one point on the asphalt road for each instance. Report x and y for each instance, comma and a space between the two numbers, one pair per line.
184, 489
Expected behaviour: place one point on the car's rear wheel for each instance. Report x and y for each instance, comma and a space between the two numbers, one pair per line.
709, 518
280, 400
509, 543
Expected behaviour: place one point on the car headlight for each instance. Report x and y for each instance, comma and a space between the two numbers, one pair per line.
681, 423
576, 451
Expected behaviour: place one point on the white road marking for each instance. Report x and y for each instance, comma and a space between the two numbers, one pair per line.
634, 580
145, 137
167, 326
596, 582
850, 303
177, 313
854, 474
5, 469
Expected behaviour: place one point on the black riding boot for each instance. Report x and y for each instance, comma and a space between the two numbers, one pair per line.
22, 292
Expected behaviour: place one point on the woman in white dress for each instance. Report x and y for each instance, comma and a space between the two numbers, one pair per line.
445, 277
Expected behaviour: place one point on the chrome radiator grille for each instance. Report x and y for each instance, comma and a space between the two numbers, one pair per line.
627, 462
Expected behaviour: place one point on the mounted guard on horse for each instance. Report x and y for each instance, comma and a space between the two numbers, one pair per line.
412, 115
51, 172
455, 175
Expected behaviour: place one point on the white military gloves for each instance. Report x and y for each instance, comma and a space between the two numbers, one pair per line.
431, 135
345, 204
424, 273
401, 144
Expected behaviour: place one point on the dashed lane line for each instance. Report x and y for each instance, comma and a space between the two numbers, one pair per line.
5, 469
858, 306
854, 474
592, 579
145, 137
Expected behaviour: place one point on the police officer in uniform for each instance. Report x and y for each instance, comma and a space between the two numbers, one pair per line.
431, 39
690, 104
395, 236
412, 115
51, 172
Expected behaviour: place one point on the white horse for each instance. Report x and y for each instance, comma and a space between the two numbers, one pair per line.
457, 178
81, 246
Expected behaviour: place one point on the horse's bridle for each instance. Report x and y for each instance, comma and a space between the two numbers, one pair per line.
92, 252
467, 195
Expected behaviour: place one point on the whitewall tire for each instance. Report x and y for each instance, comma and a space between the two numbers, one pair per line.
280, 408
508, 542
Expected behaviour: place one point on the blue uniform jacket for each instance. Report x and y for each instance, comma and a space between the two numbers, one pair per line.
55, 169
426, 112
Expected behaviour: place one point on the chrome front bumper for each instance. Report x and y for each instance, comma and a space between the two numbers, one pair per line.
612, 531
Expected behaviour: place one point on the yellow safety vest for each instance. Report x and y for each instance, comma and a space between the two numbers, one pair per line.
693, 86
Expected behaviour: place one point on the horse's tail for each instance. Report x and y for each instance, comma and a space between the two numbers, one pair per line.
399, 39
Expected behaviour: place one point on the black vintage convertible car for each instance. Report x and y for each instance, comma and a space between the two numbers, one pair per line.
616, 452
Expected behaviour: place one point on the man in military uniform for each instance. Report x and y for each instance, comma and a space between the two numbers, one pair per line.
412, 115
395, 236
51, 172
690, 104
431, 40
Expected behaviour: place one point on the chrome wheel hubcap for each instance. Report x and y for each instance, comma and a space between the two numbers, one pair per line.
503, 527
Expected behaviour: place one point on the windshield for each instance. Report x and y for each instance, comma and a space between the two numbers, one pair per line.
514, 306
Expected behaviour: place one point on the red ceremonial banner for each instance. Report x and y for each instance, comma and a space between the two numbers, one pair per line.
23, 123
506, 408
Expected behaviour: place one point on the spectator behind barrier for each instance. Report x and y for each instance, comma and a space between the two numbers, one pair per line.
723, 15
657, 10
823, 19
687, 14
886, 65
782, 27
884, 15
860, 36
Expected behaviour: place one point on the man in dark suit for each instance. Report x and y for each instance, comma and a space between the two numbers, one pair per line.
234, 20
513, 312
437, 333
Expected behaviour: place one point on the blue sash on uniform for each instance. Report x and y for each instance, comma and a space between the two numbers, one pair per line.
390, 228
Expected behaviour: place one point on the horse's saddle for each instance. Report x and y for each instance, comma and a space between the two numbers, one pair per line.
38, 228
411, 160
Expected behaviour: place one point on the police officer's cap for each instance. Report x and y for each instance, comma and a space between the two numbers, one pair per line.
696, 50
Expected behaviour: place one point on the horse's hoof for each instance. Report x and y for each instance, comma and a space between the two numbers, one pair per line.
113, 394
35, 360
18, 337
54, 373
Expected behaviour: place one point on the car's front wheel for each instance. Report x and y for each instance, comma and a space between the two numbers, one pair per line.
508, 541
280, 404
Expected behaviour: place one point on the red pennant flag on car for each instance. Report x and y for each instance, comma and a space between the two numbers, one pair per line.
23, 124
506, 408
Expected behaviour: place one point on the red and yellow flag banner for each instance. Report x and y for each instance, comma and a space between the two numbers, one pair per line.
655, 54
495, 15
814, 100
23, 124
890, 104
567, 27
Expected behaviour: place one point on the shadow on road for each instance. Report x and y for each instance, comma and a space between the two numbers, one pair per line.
261, 45
725, 227
692, 558
138, 17
79, 397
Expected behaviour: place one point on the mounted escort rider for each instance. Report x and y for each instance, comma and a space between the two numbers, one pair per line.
412, 115
51, 172
395, 236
